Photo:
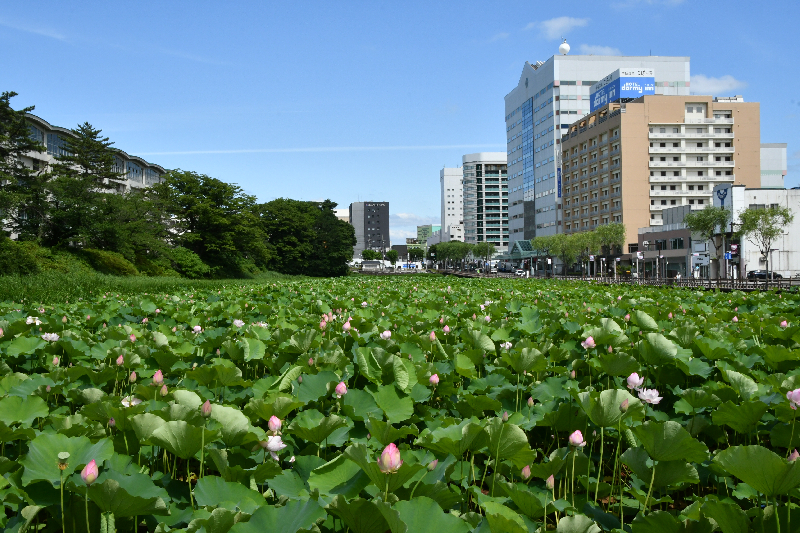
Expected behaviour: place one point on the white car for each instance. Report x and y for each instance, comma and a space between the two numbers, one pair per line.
519, 272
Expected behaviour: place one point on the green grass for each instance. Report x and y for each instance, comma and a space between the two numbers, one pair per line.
51, 287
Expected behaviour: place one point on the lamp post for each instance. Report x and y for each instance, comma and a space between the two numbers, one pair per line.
645, 244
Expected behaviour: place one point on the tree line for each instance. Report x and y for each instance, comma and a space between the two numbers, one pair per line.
607, 239
189, 223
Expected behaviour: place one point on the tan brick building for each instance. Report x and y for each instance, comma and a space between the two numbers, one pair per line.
627, 161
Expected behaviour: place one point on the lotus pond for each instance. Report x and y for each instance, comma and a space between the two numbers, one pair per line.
408, 404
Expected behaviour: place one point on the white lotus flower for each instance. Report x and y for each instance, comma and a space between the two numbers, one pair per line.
650, 396
128, 401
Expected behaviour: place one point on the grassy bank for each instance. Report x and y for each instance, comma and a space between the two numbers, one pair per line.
53, 287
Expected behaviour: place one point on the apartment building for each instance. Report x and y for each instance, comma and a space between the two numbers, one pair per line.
486, 199
136, 172
773, 165
550, 96
452, 194
424, 232
371, 222
627, 161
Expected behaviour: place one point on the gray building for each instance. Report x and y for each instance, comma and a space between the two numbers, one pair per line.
773, 165
371, 222
485, 199
549, 96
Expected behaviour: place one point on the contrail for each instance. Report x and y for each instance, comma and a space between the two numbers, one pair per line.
323, 149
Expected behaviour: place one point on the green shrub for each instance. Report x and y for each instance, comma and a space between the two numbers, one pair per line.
109, 262
155, 268
17, 257
189, 263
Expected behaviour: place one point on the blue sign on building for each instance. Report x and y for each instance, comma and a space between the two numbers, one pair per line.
622, 87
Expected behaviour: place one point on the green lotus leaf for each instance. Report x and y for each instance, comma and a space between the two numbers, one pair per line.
181, 438
187, 398
743, 385
41, 462
643, 320
361, 516
385, 433
145, 424
360, 405
16, 410
577, 524
669, 441
338, 477
25, 346
315, 386
617, 363
760, 468
656, 522
396, 406
729, 517
128, 495
455, 439
294, 517
743, 418
234, 425
603, 408
505, 439
362, 456
658, 350
526, 500
313, 426
668, 473
213, 491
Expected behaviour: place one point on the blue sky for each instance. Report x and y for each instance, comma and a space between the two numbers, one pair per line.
360, 100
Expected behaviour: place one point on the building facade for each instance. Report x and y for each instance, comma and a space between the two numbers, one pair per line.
628, 161
452, 193
136, 172
371, 222
424, 232
773, 165
486, 199
549, 96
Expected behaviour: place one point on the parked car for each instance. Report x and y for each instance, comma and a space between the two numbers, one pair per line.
494, 270
762, 274
519, 272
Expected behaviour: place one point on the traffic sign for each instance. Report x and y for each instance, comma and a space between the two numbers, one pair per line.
728, 255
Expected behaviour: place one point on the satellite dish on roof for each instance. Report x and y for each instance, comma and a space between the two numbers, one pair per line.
563, 49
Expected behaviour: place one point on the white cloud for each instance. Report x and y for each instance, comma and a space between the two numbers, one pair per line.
634, 3
45, 32
700, 84
499, 37
324, 149
598, 50
557, 27
404, 225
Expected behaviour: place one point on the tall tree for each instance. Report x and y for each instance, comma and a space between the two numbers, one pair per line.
611, 238
415, 254
392, 256
484, 250
215, 220
709, 222
762, 226
23, 188
81, 175
567, 248
334, 240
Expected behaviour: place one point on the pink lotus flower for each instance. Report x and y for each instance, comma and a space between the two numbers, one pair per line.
205, 409
550, 483
120, 360
627, 318
506, 345
588, 343
576, 439
158, 311
341, 389
144, 320
346, 327
322, 324
274, 424
650, 396
129, 402
197, 329
610, 349
89, 473
487, 318
784, 324
735, 319
432, 465
132, 337
273, 444
793, 456
133, 377
386, 335
390, 461
164, 391
619, 298
446, 329
55, 361
112, 423
238, 323
623, 407
526, 472
669, 316
573, 374
530, 401
634, 381
434, 379
794, 398
432, 336
158, 377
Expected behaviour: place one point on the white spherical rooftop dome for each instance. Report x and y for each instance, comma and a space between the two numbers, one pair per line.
564, 48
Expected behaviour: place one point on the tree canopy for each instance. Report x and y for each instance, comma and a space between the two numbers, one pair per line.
762, 226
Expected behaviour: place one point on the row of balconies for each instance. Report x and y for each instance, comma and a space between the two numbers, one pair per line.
680, 193
657, 164
691, 135
693, 178
689, 149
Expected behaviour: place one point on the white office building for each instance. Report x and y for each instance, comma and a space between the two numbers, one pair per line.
550, 96
451, 182
773, 165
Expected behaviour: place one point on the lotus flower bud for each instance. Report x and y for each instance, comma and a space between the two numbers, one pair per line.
793, 456
588, 343
158, 311
505, 416
623, 407
573, 374
526, 472
627, 318
89, 473
310, 361
634, 381
386, 335
346, 327
341, 389
576, 439
299, 379
610, 349
550, 483
274, 424
112, 423
432, 336
55, 361
432, 465
434, 379
735, 319
783, 325
47, 388
132, 337
164, 390
446, 329
133, 377
390, 461
669, 316
322, 324
64, 319
158, 377
120, 360
205, 409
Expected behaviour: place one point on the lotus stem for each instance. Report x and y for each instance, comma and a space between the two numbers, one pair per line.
791, 438
386, 497
572, 476
777, 516
497, 460
600, 467
189, 482
88, 529
61, 488
203, 449
650, 490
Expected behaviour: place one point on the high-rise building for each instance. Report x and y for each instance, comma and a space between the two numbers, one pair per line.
425, 231
551, 95
628, 161
371, 222
486, 199
452, 191
773, 165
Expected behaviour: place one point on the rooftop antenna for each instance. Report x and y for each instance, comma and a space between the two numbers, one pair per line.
563, 49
